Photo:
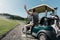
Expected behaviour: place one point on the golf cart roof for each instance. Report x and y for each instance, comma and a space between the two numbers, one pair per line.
42, 8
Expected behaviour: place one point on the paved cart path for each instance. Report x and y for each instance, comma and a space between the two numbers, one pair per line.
16, 34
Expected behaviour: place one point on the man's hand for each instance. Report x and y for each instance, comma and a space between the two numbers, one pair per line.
26, 9
24, 6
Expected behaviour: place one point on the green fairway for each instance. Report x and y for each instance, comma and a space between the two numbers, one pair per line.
6, 25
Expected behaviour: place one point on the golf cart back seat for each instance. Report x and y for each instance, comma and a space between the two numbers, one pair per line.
45, 20
42, 20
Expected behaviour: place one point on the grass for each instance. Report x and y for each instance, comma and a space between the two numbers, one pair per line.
6, 25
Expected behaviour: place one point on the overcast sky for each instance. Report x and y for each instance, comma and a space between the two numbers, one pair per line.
15, 7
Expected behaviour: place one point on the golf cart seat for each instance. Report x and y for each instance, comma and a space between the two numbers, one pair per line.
42, 20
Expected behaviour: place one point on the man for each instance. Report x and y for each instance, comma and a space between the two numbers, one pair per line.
35, 17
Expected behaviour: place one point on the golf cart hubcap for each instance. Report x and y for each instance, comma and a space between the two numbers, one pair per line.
42, 37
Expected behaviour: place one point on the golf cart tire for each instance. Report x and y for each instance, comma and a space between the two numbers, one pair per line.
43, 36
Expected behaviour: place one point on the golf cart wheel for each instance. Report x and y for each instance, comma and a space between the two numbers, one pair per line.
42, 36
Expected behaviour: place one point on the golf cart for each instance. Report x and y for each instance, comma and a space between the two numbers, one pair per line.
44, 30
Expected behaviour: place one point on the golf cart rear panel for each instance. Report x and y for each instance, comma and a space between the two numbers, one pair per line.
36, 29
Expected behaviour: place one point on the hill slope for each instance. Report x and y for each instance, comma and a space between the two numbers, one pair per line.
6, 25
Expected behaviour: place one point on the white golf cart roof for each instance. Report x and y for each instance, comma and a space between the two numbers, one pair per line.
41, 8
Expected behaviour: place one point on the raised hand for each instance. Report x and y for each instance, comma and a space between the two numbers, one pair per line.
26, 9
24, 6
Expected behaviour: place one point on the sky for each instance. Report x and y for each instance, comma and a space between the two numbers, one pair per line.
16, 7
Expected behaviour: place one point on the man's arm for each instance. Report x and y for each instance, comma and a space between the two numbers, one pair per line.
27, 10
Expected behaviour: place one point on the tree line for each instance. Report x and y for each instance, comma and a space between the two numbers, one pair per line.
14, 17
